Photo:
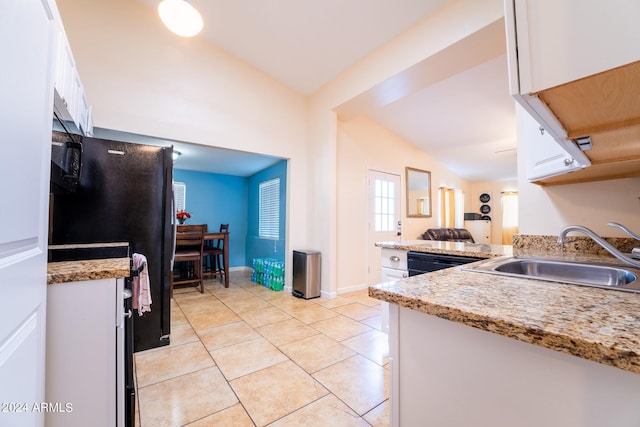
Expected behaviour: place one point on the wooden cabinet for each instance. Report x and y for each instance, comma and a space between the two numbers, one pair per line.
84, 323
574, 67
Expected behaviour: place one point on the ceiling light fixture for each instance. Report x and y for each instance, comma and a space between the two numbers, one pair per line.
175, 155
180, 17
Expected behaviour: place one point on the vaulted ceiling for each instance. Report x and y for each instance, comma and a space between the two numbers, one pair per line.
466, 121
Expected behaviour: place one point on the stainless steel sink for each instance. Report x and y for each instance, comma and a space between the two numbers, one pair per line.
609, 276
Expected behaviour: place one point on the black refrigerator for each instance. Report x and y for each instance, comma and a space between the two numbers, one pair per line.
124, 194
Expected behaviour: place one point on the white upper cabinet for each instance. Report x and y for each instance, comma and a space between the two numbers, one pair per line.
544, 157
70, 101
560, 41
574, 65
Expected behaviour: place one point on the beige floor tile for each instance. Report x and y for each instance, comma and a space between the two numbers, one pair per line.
184, 399
272, 393
355, 294
325, 411
374, 345
264, 316
364, 298
235, 416
246, 304
374, 322
266, 293
251, 356
170, 362
312, 313
230, 293
289, 302
212, 316
203, 303
380, 416
188, 294
182, 334
177, 316
357, 381
357, 311
286, 331
225, 335
340, 327
317, 352
332, 302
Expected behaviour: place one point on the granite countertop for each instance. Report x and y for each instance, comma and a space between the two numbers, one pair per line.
592, 323
449, 248
94, 269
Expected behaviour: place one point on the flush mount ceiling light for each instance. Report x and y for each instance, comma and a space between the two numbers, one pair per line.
180, 17
175, 155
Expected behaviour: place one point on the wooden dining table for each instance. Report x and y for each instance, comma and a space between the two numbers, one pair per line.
212, 236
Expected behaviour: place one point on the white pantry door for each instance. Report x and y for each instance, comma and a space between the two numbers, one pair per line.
26, 49
384, 214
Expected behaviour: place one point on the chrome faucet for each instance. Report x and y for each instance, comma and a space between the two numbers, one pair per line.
562, 238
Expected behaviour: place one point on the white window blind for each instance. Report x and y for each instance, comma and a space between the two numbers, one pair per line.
180, 194
269, 205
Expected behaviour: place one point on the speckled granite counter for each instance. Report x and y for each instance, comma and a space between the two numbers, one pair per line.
449, 248
591, 323
77, 271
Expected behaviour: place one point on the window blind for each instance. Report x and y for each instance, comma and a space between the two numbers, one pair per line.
180, 195
269, 205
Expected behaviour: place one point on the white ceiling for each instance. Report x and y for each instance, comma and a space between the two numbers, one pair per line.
466, 121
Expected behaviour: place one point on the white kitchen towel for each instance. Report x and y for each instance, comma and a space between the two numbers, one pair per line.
141, 288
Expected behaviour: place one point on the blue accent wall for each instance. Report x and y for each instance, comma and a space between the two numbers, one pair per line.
266, 248
215, 199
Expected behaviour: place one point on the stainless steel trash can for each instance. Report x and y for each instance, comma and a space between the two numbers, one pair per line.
306, 274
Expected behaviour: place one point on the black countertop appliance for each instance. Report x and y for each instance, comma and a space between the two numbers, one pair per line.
124, 194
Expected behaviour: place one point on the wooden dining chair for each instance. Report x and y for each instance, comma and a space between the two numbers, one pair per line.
214, 255
188, 258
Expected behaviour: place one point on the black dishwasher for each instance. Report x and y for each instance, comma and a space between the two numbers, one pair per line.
423, 262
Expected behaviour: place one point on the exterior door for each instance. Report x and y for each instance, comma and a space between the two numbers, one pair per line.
27, 34
384, 215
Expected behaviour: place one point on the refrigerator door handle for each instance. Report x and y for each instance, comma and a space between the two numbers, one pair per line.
174, 228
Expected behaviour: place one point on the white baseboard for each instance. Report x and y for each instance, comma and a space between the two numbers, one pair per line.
243, 268
353, 288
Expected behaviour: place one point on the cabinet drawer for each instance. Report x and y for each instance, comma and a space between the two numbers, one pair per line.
394, 258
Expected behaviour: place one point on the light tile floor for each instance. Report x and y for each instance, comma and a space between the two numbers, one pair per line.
249, 356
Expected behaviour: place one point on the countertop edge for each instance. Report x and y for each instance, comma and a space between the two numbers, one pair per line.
78, 271
449, 248
572, 345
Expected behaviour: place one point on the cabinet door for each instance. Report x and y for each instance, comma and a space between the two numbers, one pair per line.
560, 41
27, 34
82, 319
544, 156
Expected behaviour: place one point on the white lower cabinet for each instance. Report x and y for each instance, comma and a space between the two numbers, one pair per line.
82, 376
394, 267
447, 374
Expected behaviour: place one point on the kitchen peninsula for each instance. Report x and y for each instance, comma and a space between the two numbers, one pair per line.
477, 349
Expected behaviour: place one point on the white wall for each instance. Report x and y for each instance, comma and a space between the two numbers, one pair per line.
362, 145
143, 79
450, 24
544, 210
493, 188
